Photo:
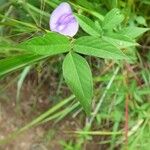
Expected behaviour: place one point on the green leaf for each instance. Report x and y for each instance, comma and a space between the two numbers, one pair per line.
78, 76
97, 47
119, 40
112, 19
88, 25
13, 63
133, 32
49, 44
35, 49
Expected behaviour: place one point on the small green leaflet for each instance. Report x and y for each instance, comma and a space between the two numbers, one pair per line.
78, 76
49, 44
94, 46
88, 25
112, 19
133, 32
119, 40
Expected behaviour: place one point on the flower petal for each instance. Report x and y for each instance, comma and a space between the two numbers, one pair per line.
71, 29
63, 21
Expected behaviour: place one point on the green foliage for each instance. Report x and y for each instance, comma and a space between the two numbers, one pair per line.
50, 44
110, 29
88, 25
119, 40
11, 64
133, 32
112, 19
97, 47
78, 76
100, 44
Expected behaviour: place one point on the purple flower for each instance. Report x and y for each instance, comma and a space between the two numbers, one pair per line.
63, 21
